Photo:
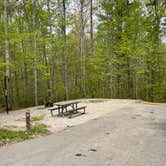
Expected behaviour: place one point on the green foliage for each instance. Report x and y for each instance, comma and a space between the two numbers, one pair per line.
128, 58
128, 36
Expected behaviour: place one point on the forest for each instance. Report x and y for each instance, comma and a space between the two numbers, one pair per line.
53, 50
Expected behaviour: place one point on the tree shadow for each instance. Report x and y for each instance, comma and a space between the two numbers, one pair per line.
74, 114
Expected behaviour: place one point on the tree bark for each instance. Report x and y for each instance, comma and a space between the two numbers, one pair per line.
35, 58
91, 27
63, 27
7, 59
82, 47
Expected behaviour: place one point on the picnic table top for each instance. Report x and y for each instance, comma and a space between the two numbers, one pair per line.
62, 103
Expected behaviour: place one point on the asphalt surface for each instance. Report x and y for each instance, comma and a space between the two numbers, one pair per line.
132, 136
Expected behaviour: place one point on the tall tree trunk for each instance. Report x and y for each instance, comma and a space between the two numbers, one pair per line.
52, 68
91, 27
26, 93
45, 56
7, 59
64, 50
35, 58
82, 47
35, 73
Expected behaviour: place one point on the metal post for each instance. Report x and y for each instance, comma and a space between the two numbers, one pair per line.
27, 114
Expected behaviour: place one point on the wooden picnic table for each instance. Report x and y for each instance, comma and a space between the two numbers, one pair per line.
66, 106
61, 106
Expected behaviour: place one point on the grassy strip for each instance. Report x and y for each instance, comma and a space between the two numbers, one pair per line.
37, 118
147, 102
9, 136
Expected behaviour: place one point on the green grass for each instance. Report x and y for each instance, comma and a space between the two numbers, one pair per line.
8, 136
37, 118
39, 129
151, 103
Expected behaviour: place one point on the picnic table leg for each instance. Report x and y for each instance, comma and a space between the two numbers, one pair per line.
52, 113
62, 113
76, 108
59, 110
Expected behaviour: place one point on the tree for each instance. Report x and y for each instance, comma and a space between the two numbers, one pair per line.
35, 4
7, 58
63, 27
47, 47
91, 27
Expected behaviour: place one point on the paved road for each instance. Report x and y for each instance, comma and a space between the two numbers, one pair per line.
133, 136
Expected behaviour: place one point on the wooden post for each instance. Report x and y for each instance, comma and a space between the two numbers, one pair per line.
27, 115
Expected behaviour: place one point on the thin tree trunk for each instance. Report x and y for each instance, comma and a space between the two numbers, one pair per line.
64, 50
7, 59
35, 58
82, 47
91, 27
25, 72
47, 69
49, 92
52, 68
35, 73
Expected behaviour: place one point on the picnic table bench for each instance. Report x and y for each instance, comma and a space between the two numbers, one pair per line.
66, 106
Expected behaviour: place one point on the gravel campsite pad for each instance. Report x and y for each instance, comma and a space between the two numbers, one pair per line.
95, 109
